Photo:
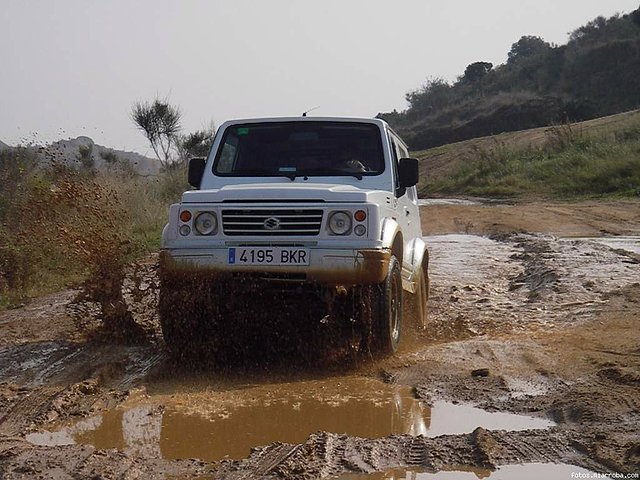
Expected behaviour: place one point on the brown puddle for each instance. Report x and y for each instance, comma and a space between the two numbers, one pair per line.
528, 471
214, 424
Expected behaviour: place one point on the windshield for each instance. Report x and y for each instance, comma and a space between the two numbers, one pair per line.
293, 149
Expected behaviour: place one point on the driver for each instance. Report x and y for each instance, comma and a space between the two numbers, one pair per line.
349, 159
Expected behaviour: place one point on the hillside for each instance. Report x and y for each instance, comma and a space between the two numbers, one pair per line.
594, 157
83, 151
596, 73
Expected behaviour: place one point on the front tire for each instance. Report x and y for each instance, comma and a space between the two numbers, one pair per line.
389, 317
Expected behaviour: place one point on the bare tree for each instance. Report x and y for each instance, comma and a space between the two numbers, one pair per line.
160, 123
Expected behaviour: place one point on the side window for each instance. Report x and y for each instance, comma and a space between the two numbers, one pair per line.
402, 152
394, 161
394, 151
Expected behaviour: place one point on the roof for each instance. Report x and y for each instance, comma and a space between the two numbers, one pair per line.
375, 121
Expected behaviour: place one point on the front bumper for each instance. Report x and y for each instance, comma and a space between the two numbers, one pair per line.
326, 266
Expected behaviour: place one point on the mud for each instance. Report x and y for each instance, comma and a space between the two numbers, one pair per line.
166, 425
530, 356
532, 471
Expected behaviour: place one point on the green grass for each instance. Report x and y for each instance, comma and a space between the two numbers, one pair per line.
56, 228
573, 165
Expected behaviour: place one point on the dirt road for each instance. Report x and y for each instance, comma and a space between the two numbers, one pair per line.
531, 356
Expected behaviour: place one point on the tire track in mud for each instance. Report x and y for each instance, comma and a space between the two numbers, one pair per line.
142, 369
48, 382
26, 409
518, 281
326, 454
20, 460
69, 365
264, 461
51, 363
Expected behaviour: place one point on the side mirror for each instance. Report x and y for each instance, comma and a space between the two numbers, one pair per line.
408, 172
196, 170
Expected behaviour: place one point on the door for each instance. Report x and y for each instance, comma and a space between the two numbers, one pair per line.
407, 214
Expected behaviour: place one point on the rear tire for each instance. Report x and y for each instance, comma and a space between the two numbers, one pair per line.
421, 298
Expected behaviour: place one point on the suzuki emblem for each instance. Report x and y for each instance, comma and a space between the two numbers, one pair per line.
272, 223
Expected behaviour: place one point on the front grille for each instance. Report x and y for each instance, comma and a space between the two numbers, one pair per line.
283, 222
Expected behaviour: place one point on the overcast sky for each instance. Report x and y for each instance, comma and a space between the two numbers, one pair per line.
74, 67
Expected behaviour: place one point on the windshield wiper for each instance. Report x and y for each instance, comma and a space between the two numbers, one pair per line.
328, 172
299, 173
263, 172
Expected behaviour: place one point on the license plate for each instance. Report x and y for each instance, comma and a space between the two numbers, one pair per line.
268, 256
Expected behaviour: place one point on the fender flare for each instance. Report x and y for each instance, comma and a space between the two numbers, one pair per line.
390, 233
419, 257
170, 230
419, 253
390, 229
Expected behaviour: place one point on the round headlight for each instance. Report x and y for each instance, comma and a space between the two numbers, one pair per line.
206, 223
340, 223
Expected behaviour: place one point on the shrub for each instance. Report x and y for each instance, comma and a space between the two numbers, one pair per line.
60, 227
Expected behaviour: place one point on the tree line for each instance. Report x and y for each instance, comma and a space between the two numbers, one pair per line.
596, 73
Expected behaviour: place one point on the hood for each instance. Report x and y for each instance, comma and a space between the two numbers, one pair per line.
274, 192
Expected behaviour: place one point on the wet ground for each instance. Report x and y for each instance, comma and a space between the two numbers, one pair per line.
528, 368
192, 421
531, 471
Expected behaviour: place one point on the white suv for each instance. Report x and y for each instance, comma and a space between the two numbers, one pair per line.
326, 203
